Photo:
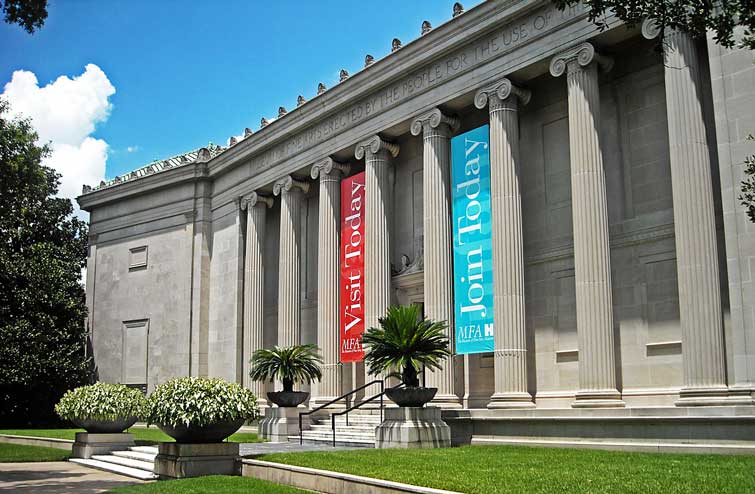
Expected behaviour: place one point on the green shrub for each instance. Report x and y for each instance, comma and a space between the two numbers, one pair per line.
102, 401
199, 401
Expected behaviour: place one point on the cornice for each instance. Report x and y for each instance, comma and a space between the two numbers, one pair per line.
188, 173
472, 24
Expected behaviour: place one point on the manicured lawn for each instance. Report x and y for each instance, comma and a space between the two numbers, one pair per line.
10, 453
142, 435
205, 485
509, 469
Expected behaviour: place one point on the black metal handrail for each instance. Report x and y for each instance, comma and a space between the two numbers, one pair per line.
343, 397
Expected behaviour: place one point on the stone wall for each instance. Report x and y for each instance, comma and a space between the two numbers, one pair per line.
732, 75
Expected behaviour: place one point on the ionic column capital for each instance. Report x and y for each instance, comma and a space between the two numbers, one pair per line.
255, 199
576, 58
288, 182
433, 119
374, 145
650, 29
500, 91
327, 168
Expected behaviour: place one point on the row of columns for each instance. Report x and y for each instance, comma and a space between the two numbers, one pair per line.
699, 291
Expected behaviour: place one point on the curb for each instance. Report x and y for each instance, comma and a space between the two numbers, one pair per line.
327, 481
47, 442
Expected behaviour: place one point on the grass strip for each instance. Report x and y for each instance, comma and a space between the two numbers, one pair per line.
142, 435
212, 484
515, 469
11, 453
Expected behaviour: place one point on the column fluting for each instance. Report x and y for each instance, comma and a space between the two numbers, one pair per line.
328, 277
592, 253
377, 154
510, 356
289, 290
700, 311
436, 129
254, 286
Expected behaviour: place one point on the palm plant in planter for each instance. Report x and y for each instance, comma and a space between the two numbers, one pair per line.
406, 343
296, 363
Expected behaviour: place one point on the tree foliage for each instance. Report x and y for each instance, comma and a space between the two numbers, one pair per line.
747, 198
692, 16
29, 14
405, 343
42, 301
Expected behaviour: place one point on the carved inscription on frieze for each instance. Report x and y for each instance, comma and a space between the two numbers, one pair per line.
501, 41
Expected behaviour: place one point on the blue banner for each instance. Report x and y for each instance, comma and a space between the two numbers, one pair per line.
473, 247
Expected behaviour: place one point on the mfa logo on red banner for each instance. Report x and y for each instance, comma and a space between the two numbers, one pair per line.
352, 268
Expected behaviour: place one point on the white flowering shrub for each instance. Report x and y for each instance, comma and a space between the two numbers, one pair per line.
102, 401
199, 401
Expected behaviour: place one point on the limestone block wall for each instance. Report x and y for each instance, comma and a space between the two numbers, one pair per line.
732, 77
226, 285
155, 296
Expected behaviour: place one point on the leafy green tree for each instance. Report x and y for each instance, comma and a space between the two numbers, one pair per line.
692, 16
29, 14
42, 302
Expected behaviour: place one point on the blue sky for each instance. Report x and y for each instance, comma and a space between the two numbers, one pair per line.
189, 72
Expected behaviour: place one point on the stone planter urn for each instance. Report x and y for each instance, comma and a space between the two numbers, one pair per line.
105, 426
410, 396
210, 433
288, 398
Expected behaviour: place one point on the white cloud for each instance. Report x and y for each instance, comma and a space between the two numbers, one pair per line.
132, 149
65, 113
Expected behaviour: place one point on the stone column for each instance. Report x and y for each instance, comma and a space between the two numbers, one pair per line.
289, 292
694, 224
254, 285
328, 277
592, 253
436, 129
377, 253
510, 357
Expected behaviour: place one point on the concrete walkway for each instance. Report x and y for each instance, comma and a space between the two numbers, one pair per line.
57, 477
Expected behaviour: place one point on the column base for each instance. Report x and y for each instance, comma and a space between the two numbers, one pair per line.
446, 401
604, 398
711, 397
511, 400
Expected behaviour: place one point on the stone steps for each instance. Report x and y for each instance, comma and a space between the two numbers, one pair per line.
135, 473
137, 462
126, 462
136, 455
359, 433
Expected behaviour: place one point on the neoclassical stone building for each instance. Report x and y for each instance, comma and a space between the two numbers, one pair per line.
622, 262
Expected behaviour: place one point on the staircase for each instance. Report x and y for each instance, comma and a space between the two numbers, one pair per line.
359, 433
137, 462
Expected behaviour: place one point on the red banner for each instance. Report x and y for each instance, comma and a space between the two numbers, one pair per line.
352, 268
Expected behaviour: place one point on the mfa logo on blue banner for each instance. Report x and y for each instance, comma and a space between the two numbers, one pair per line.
473, 247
